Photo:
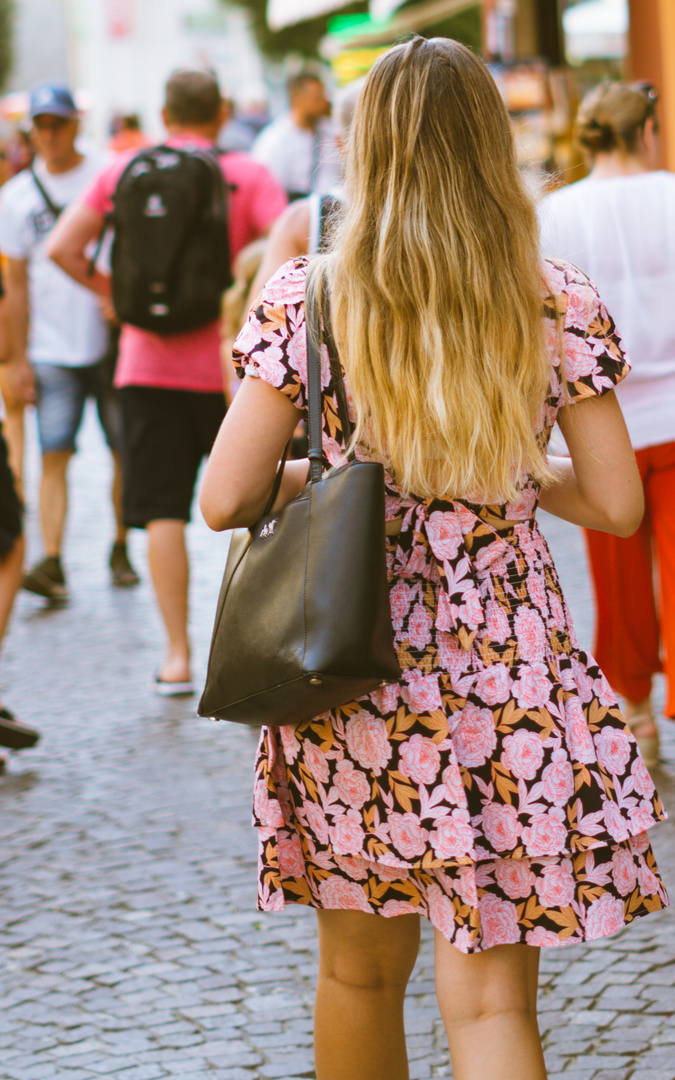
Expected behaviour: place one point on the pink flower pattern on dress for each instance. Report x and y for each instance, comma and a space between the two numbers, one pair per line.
474, 738
555, 887
499, 920
453, 836
351, 785
408, 835
367, 741
523, 754
496, 789
420, 759
346, 834
515, 878
501, 827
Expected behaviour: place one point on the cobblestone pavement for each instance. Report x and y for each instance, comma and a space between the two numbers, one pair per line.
130, 946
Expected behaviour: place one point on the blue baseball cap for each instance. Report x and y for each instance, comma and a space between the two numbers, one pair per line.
53, 100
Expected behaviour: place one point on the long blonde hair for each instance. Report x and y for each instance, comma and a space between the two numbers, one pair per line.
435, 279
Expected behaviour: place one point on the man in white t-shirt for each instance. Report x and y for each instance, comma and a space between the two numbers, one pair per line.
58, 332
298, 147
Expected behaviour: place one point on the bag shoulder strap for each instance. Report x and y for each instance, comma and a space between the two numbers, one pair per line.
336, 374
314, 398
314, 410
315, 336
55, 210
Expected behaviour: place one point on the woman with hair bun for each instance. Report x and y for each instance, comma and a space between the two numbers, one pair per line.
618, 226
495, 790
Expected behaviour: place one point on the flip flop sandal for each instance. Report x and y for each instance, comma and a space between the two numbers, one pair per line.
173, 689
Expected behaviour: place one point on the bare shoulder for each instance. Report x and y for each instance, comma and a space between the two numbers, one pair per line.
293, 225
288, 239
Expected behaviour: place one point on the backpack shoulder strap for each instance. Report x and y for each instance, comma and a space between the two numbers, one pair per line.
55, 210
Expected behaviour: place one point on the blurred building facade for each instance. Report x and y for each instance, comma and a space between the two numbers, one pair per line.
652, 57
544, 54
40, 43
120, 51
648, 53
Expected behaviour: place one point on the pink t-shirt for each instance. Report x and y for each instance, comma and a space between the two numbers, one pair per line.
190, 360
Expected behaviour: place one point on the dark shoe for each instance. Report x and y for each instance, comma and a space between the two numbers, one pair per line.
122, 572
13, 735
47, 579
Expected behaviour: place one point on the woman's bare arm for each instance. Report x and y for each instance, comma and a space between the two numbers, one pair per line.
600, 487
243, 463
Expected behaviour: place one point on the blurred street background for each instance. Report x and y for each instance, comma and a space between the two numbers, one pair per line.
129, 942
546, 53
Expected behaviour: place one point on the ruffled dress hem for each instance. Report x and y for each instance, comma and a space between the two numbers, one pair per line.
547, 902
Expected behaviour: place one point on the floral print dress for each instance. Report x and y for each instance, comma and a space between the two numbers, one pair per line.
496, 789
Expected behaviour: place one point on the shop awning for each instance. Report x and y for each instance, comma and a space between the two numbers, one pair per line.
282, 13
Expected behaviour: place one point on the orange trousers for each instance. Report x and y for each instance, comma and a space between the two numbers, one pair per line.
634, 581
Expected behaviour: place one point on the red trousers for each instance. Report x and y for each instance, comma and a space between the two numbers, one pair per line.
635, 622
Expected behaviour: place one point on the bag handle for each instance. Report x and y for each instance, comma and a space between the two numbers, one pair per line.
336, 375
314, 410
278, 478
314, 398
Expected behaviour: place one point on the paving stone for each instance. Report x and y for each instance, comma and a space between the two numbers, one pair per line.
142, 1072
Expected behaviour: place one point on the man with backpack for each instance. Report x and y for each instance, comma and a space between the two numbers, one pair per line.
58, 335
179, 215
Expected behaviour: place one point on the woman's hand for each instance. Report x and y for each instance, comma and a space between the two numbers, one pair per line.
600, 488
245, 457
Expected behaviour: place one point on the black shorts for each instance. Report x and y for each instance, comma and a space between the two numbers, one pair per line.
165, 436
11, 511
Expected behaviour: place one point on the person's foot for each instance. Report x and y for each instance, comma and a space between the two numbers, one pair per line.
641, 721
47, 579
122, 572
174, 678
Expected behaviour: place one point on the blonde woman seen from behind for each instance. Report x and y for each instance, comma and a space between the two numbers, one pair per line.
479, 791
618, 225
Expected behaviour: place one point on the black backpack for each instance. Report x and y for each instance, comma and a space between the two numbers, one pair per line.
170, 256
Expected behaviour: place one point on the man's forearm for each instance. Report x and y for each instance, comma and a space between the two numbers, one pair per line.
78, 267
76, 232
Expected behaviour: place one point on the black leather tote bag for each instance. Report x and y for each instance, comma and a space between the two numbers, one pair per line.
303, 621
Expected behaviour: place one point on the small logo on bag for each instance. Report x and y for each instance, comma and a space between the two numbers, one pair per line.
268, 528
154, 207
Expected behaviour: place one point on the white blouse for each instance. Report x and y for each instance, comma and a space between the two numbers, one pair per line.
621, 232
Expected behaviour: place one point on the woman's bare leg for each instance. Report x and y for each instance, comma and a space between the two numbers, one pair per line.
488, 1002
365, 962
